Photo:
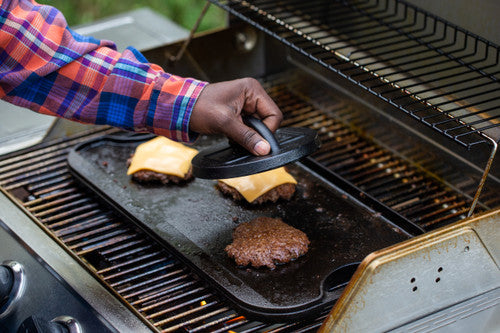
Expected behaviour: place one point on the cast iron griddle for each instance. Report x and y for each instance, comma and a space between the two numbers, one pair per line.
197, 221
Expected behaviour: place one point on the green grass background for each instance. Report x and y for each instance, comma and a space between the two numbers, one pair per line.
183, 12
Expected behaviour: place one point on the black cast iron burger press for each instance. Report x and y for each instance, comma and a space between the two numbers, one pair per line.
288, 144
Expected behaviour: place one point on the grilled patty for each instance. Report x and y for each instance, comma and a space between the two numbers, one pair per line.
147, 176
284, 191
266, 241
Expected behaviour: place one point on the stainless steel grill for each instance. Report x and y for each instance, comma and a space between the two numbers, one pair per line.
147, 277
441, 75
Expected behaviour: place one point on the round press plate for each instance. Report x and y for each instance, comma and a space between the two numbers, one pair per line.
229, 161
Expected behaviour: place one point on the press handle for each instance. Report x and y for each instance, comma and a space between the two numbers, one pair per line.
262, 129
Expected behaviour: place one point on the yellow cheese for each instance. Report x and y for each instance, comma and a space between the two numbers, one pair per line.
253, 186
162, 155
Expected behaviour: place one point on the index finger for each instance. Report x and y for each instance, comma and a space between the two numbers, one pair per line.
258, 102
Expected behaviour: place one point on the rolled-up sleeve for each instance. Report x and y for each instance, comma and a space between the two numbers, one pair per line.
48, 68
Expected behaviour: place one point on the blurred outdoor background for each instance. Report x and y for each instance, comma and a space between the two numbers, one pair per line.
183, 12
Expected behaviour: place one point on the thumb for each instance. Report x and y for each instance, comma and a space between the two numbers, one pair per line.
247, 138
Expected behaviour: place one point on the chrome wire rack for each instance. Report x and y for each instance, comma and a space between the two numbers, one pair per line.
437, 72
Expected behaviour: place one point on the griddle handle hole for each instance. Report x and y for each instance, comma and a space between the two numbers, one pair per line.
340, 277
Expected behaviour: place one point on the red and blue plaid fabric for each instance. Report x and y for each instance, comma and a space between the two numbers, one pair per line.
47, 67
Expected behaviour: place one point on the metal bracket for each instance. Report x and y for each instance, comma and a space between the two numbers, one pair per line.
178, 56
484, 176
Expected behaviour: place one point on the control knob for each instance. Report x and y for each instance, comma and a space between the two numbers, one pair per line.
6, 284
63, 324
12, 280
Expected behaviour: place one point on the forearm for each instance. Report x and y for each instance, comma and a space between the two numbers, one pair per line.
49, 69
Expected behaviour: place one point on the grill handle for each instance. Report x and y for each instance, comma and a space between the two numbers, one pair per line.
264, 131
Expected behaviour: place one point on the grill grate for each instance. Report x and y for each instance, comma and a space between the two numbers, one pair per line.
154, 284
392, 180
440, 74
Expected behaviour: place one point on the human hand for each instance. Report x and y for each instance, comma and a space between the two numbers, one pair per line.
219, 108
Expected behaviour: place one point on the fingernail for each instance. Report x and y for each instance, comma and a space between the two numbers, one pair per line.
262, 148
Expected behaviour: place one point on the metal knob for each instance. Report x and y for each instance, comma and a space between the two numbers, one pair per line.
62, 324
12, 282
6, 283
245, 40
70, 323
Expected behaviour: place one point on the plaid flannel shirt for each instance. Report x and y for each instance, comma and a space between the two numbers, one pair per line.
48, 68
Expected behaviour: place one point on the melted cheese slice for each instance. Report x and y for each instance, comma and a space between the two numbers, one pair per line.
253, 186
162, 155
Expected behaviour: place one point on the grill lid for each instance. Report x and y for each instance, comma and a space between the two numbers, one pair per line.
230, 160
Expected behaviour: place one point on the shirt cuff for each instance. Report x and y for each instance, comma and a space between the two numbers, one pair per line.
192, 135
169, 116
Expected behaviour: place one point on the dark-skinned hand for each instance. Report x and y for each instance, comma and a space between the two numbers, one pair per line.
219, 108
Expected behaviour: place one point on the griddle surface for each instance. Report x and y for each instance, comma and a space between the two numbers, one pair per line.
197, 221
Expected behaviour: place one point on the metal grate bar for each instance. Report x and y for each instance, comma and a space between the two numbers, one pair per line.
135, 286
173, 287
208, 327
57, 182
35, 176
63, 197
79, 227
178, 305
195, 320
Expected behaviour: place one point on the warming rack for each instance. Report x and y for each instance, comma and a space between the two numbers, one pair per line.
440, 74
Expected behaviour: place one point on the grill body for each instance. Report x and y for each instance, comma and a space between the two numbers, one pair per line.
395, 164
